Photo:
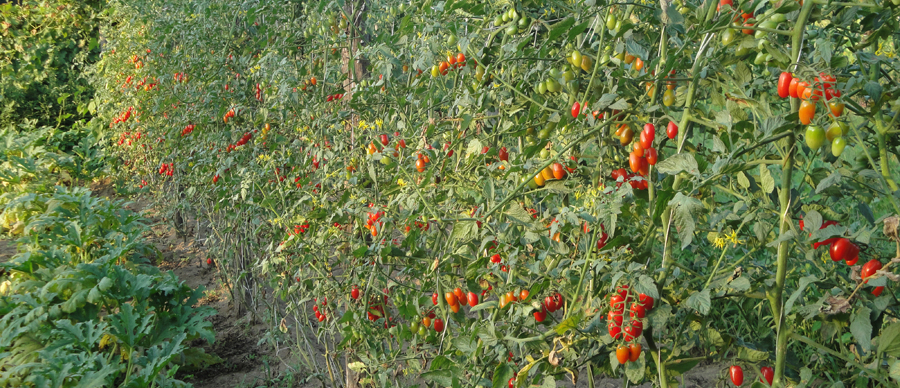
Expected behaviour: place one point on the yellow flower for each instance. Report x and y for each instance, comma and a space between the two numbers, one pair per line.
401, 182
362, 124
378, 123
719, 242
733, 238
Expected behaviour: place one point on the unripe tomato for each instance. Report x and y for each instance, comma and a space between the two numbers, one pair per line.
634, 351
815, 137
807, 111
668, 98
622, 354
539, 180
626, 136
651, 156
435, 71
784, 84
547, 173
727, 37
839, 248
768, 373
438, 325
837, 108
837, 146
426, 321
672, 130
737, 375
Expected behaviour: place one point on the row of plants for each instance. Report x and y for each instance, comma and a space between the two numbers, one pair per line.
618, 189
80, 304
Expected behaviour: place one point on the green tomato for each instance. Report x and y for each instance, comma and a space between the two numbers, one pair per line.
414, 326
815, 137
568, 75
837, 146
385, 160
545, 153
422, 331
727, 37
498, 21
544, 134
542, 87
836, 130
760, 58
741, 50
575, 58
553, 86
778, 18
511, 29
611, 21
451, 41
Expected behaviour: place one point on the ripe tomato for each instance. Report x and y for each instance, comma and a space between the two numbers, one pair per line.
617, 303
623, 291
723, 3
638, 149
472, 299
461, 59
384, 139
438, 325
312, 80
768, 373
614, 318
807, 111
549, 304
869, 269
651, 156
839, 249
503, 154
622, 354
354, 293
460, 295
784, 84
637, 310
634, 161
558, 171
547, 173
451, 59
540, 316
443, 68
615, 331
633, 331
495, 258
852, 255
523, 294
434, 298
576, 108
737, 375
672, 130
451, 298
792, 88
634, 351
455, 308
648, 135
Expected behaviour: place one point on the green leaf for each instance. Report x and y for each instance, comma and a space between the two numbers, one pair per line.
568, 324
831, 180
680, 366
635, 370
889, 340
685, 210
484, 305
474, 147
518, 213
861, 327
766, 181
502, 374
464, 230
801, 288
699, 301
740, 284
442, 377
678, 163
742, 180
560, 28
660, 315
465, 344
812, 221
578, 29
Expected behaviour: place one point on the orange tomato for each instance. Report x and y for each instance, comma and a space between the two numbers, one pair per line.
807, 111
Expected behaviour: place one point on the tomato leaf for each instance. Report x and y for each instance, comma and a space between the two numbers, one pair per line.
502, 374
483, 306
559, 28
680, 366
635, 370
568, 324
831, 180
861, 327
801, 288
685, 210
767, 183
699, 301
677, 163
889, 340
442, 377
578, 29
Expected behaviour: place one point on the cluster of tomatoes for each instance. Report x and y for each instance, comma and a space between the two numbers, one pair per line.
737, 374
334, 97
457, 297
822, 86
310, 82
187, 130
228, 115
167, 169
373, 223
422, 161
123, 117
551, 172
423, 226
320, 313
551, 304
300, 229
258, 93
640, 306
643, 155
180, 77
453, 61
243, 140
126, 137
844, 249
496, 259
136, 60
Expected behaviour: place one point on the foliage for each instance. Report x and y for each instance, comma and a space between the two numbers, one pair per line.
46, 48
247, 114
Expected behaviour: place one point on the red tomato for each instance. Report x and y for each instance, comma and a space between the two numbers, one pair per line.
646, 301
461, 59
648, 135
877, 291
438, 325
737, 375
792, 88
558, 171
473, 299
617, 303
768, 373
495, 258
434, 298
651, 156
540, 315
852, 255
839, 249
503, 154
784, 84
637, 310
523, 294
451, 299
615, 330
612, 317
354, 293
460, 295
869, 269
634, 161
634, 351
576, 108
384, 139
672, 130
724, 2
